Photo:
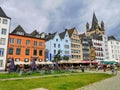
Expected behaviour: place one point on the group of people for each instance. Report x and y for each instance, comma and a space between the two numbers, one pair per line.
112, 67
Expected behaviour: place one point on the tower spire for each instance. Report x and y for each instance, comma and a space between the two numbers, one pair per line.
94, 22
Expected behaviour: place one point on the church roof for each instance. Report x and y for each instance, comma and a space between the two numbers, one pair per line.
2, 14
94, 21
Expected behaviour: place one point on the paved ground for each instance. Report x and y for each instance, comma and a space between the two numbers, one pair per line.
107, 84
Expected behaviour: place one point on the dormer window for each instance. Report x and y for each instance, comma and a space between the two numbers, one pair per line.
37, 36
20, 33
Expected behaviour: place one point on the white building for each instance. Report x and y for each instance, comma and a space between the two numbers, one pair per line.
4, 31
100, 44
105, 47
114, 48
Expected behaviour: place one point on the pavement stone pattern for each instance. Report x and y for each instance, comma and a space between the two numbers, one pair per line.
107, 84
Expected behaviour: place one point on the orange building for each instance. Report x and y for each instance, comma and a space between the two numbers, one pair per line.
24, 47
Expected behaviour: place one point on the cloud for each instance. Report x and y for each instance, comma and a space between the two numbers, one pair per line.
54, 15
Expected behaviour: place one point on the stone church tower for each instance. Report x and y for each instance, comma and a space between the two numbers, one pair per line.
95, 28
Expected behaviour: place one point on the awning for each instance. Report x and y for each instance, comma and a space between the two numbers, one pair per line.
108, 62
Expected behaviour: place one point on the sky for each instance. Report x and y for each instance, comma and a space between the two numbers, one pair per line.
50, 16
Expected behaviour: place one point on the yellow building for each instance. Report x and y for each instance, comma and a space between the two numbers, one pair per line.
76, 47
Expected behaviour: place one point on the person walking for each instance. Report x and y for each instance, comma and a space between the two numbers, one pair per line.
104, 67
115, 69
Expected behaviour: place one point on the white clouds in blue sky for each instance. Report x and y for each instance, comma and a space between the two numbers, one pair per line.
56, 15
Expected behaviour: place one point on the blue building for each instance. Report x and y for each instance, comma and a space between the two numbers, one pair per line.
66, 44
56, 42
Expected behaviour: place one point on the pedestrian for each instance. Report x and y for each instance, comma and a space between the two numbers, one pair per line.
97, 67
112, 69
104, 67
82, 68
115, 69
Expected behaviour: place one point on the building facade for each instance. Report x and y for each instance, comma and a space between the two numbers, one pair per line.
66, 44
85, 46
98, 38
76, 46
114, 48
56, 42
24, 47
53, 45
4, 31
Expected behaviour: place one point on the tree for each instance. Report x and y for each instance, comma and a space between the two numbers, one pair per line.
65, 58
57, 58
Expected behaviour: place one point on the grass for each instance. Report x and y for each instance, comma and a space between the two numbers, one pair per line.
16, 75
119, 69
70, 82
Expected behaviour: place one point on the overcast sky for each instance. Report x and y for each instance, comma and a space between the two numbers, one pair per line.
56, 15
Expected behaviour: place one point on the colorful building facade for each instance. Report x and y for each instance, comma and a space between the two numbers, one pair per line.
24, 47
56, 42
76, 46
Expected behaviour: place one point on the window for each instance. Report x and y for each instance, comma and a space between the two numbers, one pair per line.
1, 52
35, 43
10, 51
67, 46
54, 51
18, 41
58, 45
35, 52
40, 52
5, 21
2, 41
27, 42
1, 63
26, 60
20, 33
11, 40
54, 45
66, 40
3, 31
27, 51
17, 59
41, 43
56, 39
18, 50
66, 52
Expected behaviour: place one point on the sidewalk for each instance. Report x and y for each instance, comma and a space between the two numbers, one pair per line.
107, 84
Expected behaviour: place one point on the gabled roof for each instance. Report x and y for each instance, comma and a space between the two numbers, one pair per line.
62, 35
50, 36
34, 33
18, 29
2, 14
70, 31
111, 38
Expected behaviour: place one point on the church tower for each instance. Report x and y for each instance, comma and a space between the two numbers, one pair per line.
95, 28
